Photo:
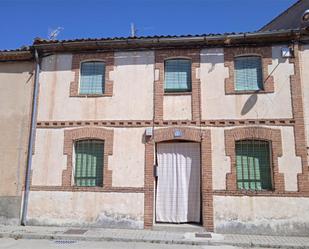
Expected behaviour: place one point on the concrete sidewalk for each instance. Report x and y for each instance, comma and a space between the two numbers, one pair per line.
67, 234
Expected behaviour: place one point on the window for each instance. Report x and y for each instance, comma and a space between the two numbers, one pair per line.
253, 165
89, 163
177, 75
92, 77
248, 73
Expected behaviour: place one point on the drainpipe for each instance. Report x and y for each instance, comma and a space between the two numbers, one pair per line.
31, 139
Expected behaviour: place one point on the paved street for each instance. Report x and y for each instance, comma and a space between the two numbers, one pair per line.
67, 244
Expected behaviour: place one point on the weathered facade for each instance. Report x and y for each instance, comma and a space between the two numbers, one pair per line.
132, 132
16, 85
212, 114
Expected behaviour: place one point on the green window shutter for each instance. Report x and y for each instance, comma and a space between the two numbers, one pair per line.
253, 165
177, 75
248, 73
92, 77
89, 156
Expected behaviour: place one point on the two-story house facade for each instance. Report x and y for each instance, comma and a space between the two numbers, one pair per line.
133, 132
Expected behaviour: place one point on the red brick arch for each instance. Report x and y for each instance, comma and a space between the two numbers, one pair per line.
189, 134
70, 136
261, 133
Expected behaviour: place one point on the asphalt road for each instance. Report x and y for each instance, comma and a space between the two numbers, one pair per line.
54, 244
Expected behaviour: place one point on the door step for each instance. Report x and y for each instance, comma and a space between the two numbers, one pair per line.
179, 228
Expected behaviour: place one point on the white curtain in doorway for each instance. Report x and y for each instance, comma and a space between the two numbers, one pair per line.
178, 185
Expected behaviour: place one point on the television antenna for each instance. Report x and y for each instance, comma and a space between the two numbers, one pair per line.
53, 33
133, 30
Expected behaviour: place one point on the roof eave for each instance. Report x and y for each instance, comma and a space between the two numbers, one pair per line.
15, 56
162, 42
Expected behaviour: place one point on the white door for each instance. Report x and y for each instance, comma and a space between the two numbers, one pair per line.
178, 183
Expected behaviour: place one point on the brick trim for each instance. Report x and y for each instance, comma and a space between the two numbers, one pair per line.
261, 193
266, 55
298, 115
160, 57
70, 136
87, 189
107, 57
271, 135
190, 134
150, 123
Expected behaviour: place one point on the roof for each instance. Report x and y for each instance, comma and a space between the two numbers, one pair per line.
158, 42
288, 19
153, 42
23, 53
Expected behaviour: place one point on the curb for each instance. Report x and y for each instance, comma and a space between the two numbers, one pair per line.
17, 236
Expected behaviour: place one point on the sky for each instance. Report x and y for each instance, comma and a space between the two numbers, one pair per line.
23, 20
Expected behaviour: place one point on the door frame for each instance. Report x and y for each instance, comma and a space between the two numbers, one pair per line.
201, 136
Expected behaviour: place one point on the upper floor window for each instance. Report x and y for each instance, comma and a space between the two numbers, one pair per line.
253, 165
177, 75
89, 160
248, 73
92, 77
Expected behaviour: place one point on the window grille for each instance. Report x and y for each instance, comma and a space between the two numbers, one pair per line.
177, 75
248, 73
89, 156
253, 165
92, 77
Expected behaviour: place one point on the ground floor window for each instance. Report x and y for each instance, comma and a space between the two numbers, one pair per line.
253, 165
89, 156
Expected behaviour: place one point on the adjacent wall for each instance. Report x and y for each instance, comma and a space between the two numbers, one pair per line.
16, 84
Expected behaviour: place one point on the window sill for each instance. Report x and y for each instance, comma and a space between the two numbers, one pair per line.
248, 193
92, 95
177, 93
235, 92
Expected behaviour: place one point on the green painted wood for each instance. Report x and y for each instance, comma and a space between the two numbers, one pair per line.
253, 165
92, 77
248, 73
89, 161
177, 75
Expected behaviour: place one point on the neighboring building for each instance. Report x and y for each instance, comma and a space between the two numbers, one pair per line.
222, 117
16, 85
288, 19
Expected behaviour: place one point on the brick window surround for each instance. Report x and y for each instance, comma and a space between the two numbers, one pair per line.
160, 57
78, 58
70, 136
230, 53
256, 133
189, 134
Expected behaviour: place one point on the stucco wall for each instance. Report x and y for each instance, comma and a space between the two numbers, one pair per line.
289, 163
126, 163
16, 85
48, 160
124, 210
304, 63
216, 105
221, 164
262, 215
128, 159
133, 78
177, 107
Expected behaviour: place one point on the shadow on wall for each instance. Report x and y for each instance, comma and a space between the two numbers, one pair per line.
249, 104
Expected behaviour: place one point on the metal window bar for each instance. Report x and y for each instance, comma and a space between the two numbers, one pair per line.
177, 75
248, 73
92, 77
89, 161
253, 166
